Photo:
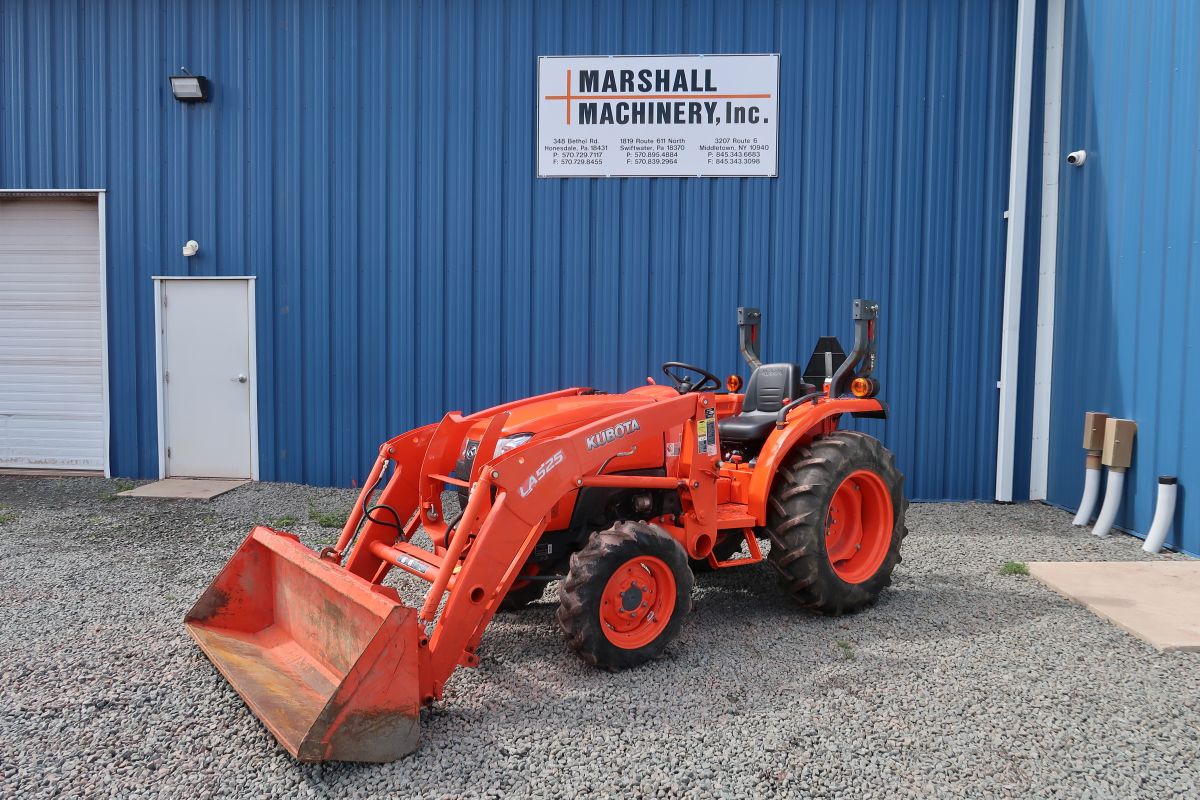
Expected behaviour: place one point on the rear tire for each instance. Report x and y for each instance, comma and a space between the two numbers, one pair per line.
836, 520
625, 596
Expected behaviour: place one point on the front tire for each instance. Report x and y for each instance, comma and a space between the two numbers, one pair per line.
625, 596
836, 520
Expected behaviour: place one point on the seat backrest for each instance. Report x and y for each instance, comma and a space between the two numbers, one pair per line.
771, 384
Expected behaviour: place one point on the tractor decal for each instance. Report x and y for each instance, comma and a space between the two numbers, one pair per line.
541, 472
412, 563
609, 435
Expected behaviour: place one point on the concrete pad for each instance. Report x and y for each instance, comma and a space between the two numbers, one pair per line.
185, 488
1156, 601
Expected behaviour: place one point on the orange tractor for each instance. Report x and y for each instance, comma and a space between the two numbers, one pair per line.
619, 497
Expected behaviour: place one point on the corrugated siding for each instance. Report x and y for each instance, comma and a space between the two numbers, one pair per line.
373, 164
1126, 329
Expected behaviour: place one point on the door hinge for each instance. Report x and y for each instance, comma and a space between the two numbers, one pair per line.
166, 377
168, 452
164, 299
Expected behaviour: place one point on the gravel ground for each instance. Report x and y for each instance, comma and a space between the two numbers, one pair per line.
960, 682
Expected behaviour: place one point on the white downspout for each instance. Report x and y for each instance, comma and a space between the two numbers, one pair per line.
1118, 457
1039, 464
1113, 491
1164, 514
1010, 334
1091, 490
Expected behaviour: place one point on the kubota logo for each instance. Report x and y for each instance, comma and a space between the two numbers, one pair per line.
609, 435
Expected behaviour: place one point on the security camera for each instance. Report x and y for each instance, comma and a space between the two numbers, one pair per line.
1077, 158
191, 248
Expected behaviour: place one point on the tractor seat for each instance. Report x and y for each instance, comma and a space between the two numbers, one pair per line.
769, 387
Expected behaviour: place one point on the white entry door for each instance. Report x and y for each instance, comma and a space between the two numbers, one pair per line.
206, 373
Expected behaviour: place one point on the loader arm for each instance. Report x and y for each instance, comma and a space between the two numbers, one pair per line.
333, 662
506, 514
407, 451
528, 483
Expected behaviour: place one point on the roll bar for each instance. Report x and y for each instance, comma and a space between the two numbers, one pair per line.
864, 313
749, 321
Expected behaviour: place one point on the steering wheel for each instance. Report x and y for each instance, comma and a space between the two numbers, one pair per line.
708, 381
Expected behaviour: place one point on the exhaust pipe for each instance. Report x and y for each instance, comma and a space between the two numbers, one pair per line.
1164, 514
1093, 443
1117, 456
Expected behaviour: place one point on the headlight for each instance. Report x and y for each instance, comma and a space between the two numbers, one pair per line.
509, 442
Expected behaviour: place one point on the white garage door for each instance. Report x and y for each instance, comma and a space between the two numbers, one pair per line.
51, 334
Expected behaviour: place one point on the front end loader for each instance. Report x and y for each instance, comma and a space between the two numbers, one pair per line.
621, 498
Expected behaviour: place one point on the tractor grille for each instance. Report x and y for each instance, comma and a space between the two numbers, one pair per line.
462, 468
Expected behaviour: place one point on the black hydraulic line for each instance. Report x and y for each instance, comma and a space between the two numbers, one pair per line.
450, 526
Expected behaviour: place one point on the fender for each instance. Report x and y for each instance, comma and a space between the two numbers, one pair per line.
804, 423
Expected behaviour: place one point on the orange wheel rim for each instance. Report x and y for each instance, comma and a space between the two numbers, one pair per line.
637, 602
858, 528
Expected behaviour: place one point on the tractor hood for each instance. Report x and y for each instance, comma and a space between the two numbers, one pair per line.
557, 414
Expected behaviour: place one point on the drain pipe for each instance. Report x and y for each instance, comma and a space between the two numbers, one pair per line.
1117, 456
1014, 250
1112, 502
1093, 443
1164, 513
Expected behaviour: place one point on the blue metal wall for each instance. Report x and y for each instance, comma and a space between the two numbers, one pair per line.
1126, 327
373, 164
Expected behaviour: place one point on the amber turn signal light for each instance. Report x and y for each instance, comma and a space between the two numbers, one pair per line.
733, 383
864, 387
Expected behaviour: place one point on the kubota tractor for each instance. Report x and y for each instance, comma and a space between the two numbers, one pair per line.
619, 497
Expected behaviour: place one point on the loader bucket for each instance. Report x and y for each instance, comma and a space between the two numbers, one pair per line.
326, 660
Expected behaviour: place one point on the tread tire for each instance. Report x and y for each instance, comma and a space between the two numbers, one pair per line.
580, 594
797, 510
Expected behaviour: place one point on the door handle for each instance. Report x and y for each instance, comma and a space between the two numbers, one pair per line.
240, 379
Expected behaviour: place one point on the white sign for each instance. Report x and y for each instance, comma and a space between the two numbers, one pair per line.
614, 116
